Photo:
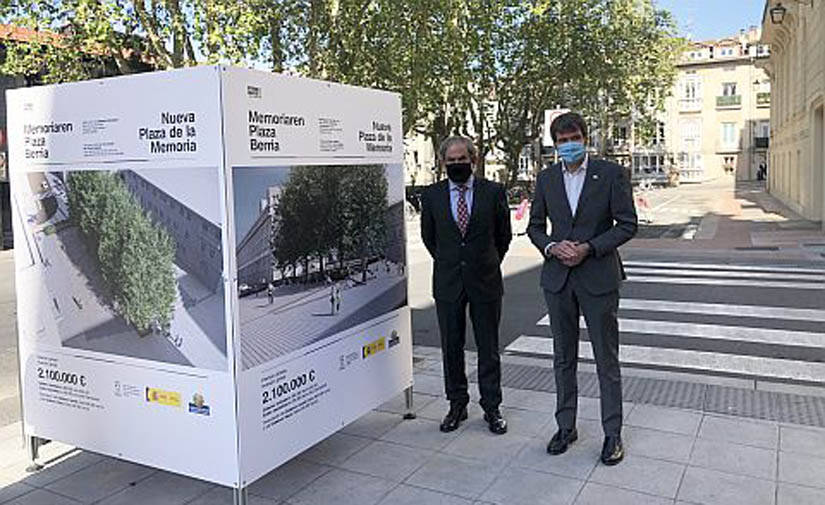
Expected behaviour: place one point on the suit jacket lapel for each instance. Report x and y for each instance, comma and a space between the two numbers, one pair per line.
591, 177
477, 196
449, 207
560, 192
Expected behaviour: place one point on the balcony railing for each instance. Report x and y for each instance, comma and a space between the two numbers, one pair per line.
729, 101
761, 142
763, 98
690, 104
728, 147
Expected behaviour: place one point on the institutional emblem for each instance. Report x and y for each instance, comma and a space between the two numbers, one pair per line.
198, 405
168, 398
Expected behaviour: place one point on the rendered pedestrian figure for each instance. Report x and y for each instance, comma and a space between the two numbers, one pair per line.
465, 225
270, 292
589, 203
337, 293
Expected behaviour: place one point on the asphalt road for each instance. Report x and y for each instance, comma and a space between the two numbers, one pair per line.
718, 311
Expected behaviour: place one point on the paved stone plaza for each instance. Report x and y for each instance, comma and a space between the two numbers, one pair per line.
674, 456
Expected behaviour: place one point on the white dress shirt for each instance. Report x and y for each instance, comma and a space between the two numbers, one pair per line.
468, 196
573, 183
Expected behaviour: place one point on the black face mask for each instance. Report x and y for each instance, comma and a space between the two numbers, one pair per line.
459, 172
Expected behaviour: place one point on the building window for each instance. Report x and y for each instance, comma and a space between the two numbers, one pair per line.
691, 89
763, 129
659, 134
729, 89
729, 134
644, 164
691, 134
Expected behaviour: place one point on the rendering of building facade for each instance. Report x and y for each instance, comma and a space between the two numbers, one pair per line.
197, 238
717, 119
796, 32
256, 261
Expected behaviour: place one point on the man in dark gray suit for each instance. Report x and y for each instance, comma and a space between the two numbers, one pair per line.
590, 207
465, 225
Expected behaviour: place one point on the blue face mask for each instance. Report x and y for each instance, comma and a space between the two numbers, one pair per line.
571, 152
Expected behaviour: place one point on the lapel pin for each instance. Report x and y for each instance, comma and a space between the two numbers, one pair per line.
595, 176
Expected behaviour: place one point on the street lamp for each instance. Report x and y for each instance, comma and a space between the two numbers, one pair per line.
778, 13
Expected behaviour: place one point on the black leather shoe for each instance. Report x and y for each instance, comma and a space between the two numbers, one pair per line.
453, 418
496, 423
612, 451
561, 440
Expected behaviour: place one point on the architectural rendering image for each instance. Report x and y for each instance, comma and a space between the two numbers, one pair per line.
131, 261
319, 249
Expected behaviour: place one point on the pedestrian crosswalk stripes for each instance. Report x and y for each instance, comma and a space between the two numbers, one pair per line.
735, 274
716, 332
716, 309
724, 309
756, 283
690, 360
724, 267
760, 341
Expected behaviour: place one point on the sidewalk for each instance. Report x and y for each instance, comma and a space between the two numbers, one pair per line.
744, 217
674, 456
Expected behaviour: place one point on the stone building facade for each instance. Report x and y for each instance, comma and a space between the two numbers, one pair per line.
796, 32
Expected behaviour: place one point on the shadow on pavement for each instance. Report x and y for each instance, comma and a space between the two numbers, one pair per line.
81, 252
519, 313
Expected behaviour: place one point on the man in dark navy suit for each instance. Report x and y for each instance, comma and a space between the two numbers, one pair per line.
590, 207
465, 225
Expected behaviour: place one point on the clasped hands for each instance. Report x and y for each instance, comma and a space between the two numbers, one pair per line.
570, 253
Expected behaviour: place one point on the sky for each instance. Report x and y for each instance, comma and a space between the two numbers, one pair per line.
250, 185
713, 19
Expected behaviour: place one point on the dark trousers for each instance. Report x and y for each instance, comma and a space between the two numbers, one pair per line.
452, 323
600, 315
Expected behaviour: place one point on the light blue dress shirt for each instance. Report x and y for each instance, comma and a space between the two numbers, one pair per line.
468, 196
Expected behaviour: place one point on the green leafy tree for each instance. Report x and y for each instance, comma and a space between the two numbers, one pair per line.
135, 255
297, 220
82, 39
332, 209
363, 206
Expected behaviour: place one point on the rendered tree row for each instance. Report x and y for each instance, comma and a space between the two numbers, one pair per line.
332, 211
135, 255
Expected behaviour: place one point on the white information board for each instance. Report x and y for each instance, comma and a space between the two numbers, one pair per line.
211, 269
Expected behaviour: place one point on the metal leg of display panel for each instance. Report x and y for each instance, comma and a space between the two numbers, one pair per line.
240, 496
408, 400
34, 444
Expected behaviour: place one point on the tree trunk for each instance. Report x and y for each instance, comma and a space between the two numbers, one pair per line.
275, 41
